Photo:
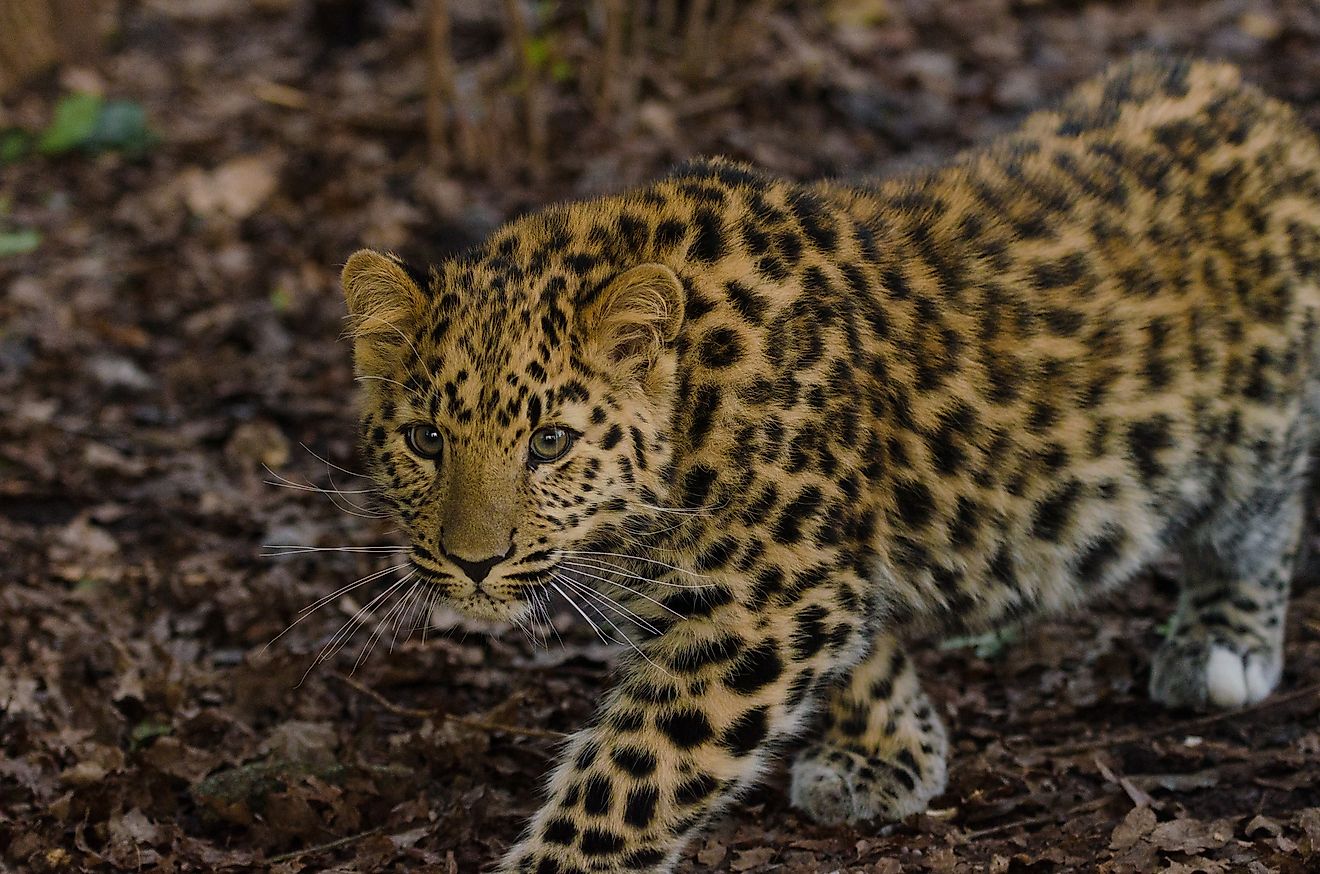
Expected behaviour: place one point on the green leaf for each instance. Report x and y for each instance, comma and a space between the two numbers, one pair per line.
538, 52
18, 242
13, 145
87, 121
121, 125
280, 299
146, 730
75, 120
561, 70
986, 646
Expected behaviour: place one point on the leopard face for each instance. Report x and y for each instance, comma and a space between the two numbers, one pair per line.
511, 416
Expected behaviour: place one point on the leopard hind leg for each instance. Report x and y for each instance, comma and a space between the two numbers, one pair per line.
1224, 647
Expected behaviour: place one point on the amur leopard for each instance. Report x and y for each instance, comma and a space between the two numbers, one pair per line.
768, 430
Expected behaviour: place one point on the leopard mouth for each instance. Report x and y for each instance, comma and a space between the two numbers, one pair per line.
510, 597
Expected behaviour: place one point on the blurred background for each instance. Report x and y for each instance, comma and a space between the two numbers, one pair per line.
180, 181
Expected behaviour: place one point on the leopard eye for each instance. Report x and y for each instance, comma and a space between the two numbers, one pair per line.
424, 440
549, 444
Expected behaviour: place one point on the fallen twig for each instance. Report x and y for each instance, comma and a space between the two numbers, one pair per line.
611, 68
534, 120
418, 713
1185, 726
439, 79
279, 94
696, 37
329, 845
1043, 818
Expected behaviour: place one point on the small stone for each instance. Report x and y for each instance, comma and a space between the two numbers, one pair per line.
113, 371
1260, 25
1020, 88
936, 72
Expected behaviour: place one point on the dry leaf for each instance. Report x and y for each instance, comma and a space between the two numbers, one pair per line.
1138, 823
1309, 820
1188, 836
235, 189
753, 859
712, 854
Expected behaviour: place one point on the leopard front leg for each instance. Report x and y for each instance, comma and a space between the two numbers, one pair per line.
884, 749
690, 725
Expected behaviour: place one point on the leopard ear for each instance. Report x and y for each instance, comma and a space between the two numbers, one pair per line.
635, 318
384, 304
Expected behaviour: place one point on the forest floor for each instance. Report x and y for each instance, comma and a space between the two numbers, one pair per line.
169, 328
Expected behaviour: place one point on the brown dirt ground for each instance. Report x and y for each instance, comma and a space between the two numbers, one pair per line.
177, 328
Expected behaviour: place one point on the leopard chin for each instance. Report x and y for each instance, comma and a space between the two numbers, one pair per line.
500, 600
482, 605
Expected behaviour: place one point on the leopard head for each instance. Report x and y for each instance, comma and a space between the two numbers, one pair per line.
513, 408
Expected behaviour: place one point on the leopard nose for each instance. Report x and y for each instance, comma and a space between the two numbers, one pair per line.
477, 570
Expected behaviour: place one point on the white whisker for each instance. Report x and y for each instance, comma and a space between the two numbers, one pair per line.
602, 564
286, 483
326, 599
383, 379
628, 640
632, 532
542, 618
587, 618
329, 463
632, 616
335, 495
593, 606
654, 561
543, 604
425, 618
532, 620
360, 512
417, 395
341, 636
519, 623
380, 628
371, 577
608, 567
396, 330
579, 570
300, 487
349, 628
298, 549
411, 599
329, 475
704, 510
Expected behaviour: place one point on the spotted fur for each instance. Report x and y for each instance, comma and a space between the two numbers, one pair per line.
811, 420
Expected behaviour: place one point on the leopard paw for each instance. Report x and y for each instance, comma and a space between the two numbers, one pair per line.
1202, 673
833, 785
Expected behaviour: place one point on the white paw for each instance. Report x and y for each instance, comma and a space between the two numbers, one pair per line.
834, 787
1225, 678
1262, 677
1233, 681
1212, 675
821, 791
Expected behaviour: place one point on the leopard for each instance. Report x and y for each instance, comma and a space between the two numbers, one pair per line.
773, 432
